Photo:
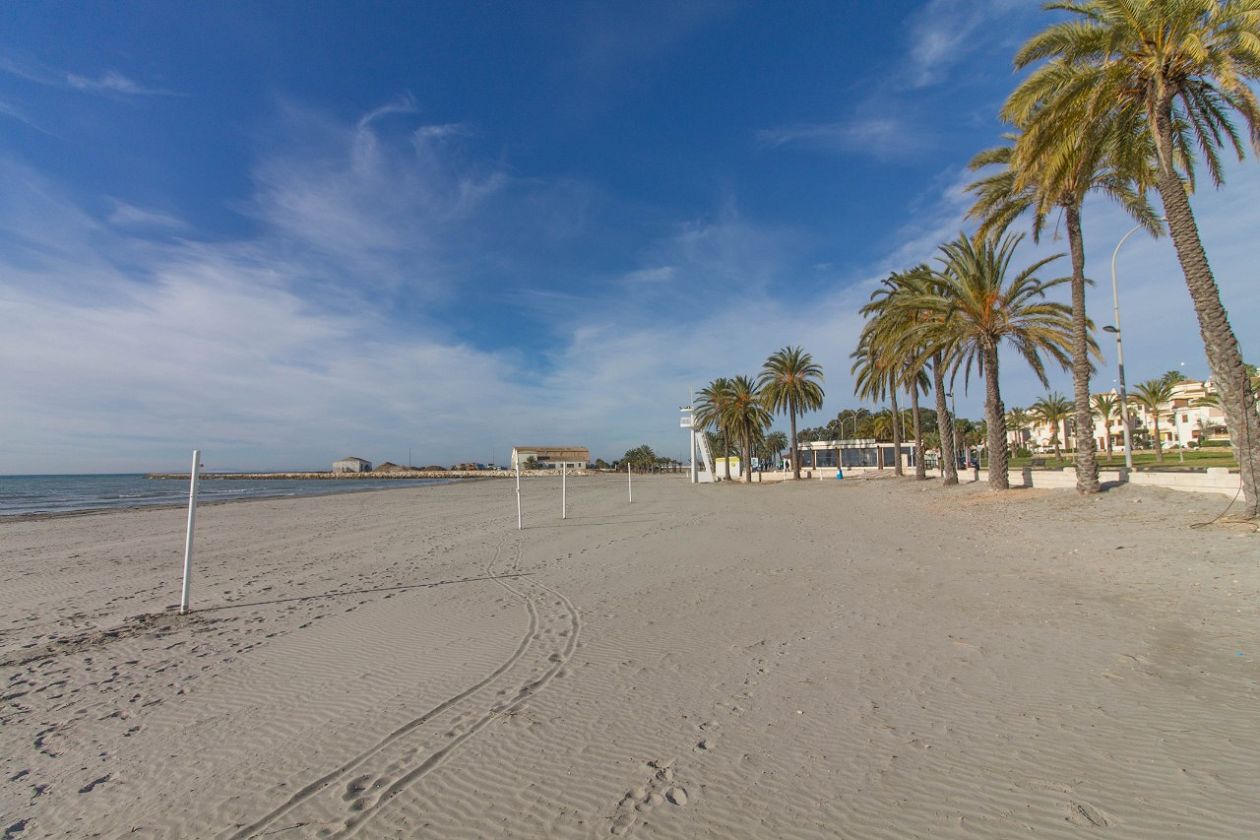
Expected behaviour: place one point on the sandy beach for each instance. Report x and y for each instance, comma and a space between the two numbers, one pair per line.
859, 659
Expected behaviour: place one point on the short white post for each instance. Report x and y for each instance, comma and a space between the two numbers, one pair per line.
564, 491
188, 539
629, 483
520, 526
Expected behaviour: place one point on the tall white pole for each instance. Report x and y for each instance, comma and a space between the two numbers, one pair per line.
185, 591
629, 483
520, 524
564, 491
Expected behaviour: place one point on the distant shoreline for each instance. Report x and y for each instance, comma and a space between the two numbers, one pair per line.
365, 476
36, 516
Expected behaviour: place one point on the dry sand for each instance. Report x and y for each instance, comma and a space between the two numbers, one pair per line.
859, 659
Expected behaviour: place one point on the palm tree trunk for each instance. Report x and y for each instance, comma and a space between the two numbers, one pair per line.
944, 424
796, 466
1086, 460
726, 456
747, 459
1107, 435
998, 455
1224, 356
1159, 443
920, 469
896, 430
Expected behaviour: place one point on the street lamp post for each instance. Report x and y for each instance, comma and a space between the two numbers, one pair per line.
1115, 329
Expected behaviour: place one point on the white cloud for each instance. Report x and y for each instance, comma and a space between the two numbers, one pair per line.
111, 81
883, 136
130, 216
944, 33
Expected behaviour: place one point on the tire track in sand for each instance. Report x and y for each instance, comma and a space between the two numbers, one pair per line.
406, 754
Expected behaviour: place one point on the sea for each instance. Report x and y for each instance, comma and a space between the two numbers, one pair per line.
41, 494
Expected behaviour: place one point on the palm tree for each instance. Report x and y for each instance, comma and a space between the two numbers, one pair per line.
710, 409
1016, 422
746, 418
1054, 410
982, 308
776, 442
789, 383
876, 376
1049, 179
1151, 395
1182, 69
919, 333
896, 329
1173, 377
1106, 405
915, 380
884, 422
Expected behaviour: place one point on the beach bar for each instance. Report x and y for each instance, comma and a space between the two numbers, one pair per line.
858, 454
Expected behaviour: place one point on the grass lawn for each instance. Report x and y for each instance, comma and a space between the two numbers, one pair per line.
1215, 457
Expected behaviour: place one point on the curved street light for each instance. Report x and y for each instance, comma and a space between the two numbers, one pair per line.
1115, 330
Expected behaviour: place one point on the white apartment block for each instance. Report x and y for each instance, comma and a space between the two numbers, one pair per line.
1183, 421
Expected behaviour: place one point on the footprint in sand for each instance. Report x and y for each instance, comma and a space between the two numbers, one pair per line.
1082, 813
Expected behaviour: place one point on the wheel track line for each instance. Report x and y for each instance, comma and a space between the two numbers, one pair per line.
309, 790
436, 759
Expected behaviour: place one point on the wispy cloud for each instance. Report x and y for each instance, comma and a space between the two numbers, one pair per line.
107, 82
111, 81
883, 137
126, 215
945, 32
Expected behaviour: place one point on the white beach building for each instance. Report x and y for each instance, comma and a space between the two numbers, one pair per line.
552, 457
860, 453
352, 464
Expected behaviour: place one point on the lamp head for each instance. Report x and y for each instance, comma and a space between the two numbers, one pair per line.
1111, 329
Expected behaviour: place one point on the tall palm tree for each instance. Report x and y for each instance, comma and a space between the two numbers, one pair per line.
915, 380
1056, 179
876, 377
789, 382
1016, 423
710, 410
746, 417
924, 336
983, 308
1184, 69
1151, 395
1054, 410
897, 327
775, 443
1106, 405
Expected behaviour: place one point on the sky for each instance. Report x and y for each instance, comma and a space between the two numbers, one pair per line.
289, 232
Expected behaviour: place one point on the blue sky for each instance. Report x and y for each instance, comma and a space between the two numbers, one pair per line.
290, 232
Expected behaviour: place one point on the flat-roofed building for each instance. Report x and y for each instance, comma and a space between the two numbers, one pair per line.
552, 457
870, 454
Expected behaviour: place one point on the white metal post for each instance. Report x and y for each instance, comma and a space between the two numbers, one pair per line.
564, 491
629, 483
193, 475
520, 524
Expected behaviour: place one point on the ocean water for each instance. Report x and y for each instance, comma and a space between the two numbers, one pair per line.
27, 494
